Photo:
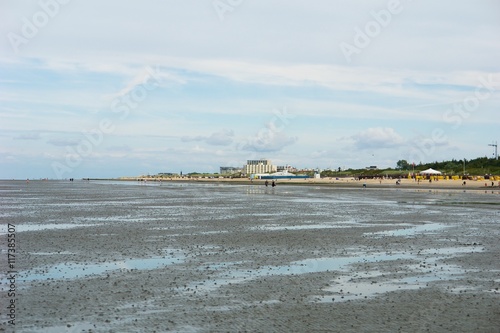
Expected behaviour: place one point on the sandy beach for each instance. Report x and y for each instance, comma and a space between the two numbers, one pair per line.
223, 256
347, 182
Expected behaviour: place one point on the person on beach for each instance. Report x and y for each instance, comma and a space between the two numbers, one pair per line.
266, 183
273, 184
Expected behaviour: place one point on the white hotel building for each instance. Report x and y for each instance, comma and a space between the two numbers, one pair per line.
259, 167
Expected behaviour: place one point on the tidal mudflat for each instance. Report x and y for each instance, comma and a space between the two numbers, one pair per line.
190, 257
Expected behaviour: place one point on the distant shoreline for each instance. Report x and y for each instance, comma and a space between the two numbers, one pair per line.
339, 183
326, 182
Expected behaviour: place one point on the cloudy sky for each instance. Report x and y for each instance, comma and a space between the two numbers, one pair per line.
115, 88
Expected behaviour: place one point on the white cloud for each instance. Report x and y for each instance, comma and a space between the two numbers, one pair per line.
119, 148
269, 139
223, 137
63, 142
28, 136
378, 137
319, 153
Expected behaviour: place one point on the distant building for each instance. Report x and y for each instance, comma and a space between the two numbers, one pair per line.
229, 170
372, 167
259, 167
282, 175
287, 168
167, 174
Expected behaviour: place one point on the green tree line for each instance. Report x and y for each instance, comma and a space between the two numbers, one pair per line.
478, 167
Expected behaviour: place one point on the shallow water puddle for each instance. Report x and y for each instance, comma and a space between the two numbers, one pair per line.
411, 230
369, 284
68, 328
336, 264
78, 270
51, 226
275, 227
316, 265
450, 251
52, 253
347, 288
359, 284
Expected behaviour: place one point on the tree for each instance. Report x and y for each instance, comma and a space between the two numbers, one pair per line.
402, 165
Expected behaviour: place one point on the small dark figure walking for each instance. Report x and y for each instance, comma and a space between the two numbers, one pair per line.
273, 184
266, 183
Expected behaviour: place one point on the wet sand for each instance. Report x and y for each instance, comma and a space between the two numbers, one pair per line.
219, 257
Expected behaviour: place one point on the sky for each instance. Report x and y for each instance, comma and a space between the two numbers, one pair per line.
126, 88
